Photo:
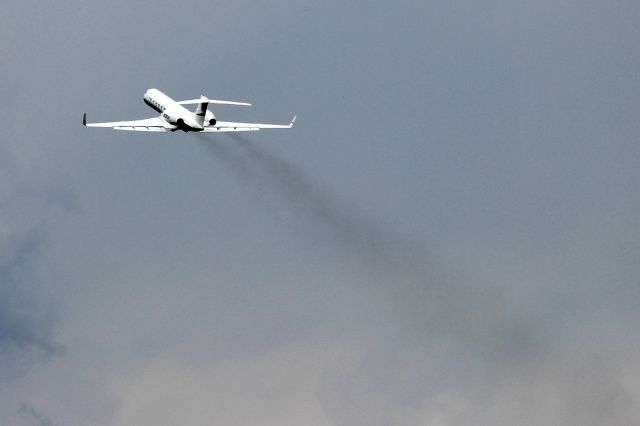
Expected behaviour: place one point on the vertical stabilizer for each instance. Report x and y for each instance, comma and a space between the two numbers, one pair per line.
201, 111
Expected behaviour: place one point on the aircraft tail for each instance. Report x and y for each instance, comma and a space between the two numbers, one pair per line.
201, 111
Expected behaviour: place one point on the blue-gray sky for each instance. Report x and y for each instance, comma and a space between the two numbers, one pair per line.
449, 236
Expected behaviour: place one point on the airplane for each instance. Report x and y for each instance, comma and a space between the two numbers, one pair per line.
173, 116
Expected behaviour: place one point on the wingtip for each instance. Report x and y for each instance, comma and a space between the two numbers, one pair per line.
293, 121
84, 119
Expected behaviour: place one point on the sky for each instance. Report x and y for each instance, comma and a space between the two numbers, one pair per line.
449, 235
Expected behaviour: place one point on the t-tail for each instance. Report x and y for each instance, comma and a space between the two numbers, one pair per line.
201, 111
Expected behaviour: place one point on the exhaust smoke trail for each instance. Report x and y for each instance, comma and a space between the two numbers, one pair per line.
400, 289
404, 305
321, 212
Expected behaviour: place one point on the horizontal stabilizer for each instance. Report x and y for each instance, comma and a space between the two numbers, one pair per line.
211, 101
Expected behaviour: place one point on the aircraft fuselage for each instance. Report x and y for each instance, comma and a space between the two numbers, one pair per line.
171, 111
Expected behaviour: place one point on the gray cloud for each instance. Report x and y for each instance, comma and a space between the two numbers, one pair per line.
35, 417
27, 318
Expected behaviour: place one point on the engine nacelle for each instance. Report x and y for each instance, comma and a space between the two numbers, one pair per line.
172, 118
210, 119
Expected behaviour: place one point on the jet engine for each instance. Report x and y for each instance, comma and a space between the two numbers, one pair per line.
210, 119
173, 118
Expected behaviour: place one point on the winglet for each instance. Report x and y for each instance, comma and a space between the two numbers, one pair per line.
84, 119
293, 121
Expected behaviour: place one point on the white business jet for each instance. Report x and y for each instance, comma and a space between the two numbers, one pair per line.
173, 116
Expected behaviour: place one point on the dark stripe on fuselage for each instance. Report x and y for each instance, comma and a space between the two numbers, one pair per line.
152, 106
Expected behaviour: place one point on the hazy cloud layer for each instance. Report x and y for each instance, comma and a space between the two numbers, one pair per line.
25, 324
449, 235
33, 416
28, 314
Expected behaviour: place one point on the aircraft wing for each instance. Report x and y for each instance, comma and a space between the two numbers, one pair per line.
228, 126
155, 124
